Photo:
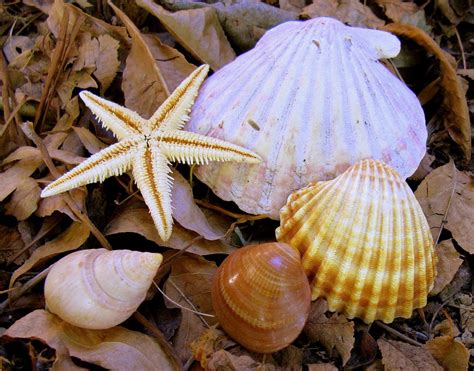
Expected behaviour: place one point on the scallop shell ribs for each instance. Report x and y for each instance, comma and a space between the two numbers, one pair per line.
365, 243
311, 99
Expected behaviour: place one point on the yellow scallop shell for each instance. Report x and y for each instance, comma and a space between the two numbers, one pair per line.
365, 244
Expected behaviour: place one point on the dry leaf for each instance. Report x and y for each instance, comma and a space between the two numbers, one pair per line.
352, 12
12, 178
292, 5
397, 355
11, 242
107, 62
447, 266
143, 84
189, 215
210, 341
322, 367
47, 206
116, 348
197, 30
25, 199
334, 332
454, 103
397, 10
450, 353
446, 327
89, 140
71, 239
223, 360
170, 61
135, 217
88, 51
434, 195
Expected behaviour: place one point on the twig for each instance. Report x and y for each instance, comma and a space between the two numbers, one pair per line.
458, 37
29, 131
435, 314
398, 334
161, 339
445, 216
27, 286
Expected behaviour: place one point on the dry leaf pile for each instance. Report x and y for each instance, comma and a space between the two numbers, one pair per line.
135, 54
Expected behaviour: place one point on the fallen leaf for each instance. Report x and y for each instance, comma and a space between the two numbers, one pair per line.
24, 200
189, 215
450, 353
447, 265
76, 79
397, 10
134, 217
71, 239
335, 332
143, 84
12, 178
434, 195
107, 62
292, 5
210, 341
116, 348
89, 140
446, 328
397, 355
88, 51
322, 367
454, 104
47, 206
197, 30
352, 12
171, 62
11, 242
223, 360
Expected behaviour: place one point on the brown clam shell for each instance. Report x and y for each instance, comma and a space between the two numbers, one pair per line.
261, 296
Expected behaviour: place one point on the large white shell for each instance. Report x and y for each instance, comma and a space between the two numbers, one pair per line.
311, 99
98, 289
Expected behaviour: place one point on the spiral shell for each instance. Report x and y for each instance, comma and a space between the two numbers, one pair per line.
365, 243
98, 289
311, 99
261, 296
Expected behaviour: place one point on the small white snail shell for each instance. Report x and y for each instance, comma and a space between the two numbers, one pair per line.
98, 289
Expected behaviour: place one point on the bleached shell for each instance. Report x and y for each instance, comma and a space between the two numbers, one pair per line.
365, 244
98, 289
311, 99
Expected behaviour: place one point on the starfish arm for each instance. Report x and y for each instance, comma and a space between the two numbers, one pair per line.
192, 148
151, 173
113, 160
173, 113
120, 120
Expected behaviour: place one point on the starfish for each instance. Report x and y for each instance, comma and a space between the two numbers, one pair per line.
148, 146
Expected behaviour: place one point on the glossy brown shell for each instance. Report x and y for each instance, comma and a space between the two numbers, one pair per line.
261, 296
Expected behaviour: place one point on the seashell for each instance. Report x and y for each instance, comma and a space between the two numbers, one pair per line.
261, 296
98, 289
311, 99
365, 244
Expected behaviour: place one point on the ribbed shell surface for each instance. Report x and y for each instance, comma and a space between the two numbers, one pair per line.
311, 99
365, 243
261, 296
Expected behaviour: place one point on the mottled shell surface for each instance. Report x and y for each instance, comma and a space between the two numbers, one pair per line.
261, 296
365, 243
311, 99
98, 289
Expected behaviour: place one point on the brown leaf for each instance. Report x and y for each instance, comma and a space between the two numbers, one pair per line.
116, 348
189, 215
292, 5
143, 84
397, 355
70, 239
334, 332
25, 199
210, 341
70, 81
322, 367
88, 51
443, 186
197, 30
397, 10
134, 217
223, 360
107, 62
49, 205
447, 266
170, 61
450, 353
11, 242
454, 102
12, 178
446, 327
352, 12
89, 140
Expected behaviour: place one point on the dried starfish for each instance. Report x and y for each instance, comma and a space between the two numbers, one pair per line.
147, 146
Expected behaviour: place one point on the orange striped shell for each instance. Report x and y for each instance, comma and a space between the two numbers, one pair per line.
365, 244
261, 296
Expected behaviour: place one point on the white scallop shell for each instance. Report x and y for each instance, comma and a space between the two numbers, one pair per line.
311, 99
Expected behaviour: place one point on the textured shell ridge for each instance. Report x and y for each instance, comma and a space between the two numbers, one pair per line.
365, 243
